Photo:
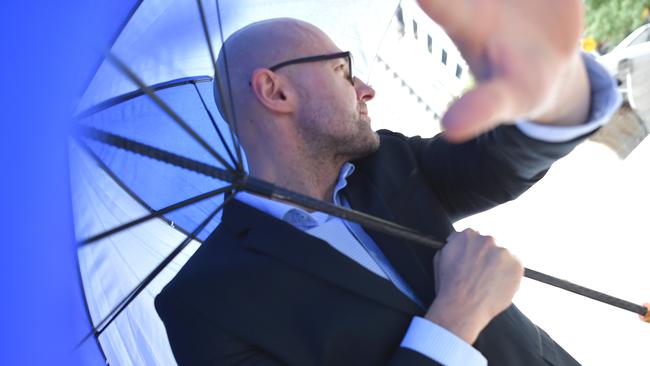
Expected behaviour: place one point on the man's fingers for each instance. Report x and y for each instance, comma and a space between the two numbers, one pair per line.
462, 236
458, 18
445, 13
479, 110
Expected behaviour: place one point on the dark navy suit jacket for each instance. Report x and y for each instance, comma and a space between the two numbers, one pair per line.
260, 292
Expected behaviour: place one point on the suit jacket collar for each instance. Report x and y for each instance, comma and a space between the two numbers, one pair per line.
269, 236
363, 194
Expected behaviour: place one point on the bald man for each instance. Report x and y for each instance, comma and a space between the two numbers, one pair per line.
276, 284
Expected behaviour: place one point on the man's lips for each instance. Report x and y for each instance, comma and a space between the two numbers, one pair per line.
363, 110
363, 114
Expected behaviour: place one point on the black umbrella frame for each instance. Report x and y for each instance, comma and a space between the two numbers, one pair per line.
234, 174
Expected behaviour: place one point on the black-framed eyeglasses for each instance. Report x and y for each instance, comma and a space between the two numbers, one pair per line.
331, 56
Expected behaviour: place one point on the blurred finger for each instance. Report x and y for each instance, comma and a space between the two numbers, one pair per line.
458, 18
480, 110
445, 13
489, 240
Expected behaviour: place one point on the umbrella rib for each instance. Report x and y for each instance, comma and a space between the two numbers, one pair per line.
120, 183
158, 154
87, 308
111, 43
227, 107
234, 131
135, 79
112, 175
216, 127
155, 214
108, 320
206, 33
254, 185
111, 102
217, 77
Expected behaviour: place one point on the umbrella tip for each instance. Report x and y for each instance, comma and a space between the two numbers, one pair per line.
646, 317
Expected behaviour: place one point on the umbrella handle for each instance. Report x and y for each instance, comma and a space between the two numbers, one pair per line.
646, 317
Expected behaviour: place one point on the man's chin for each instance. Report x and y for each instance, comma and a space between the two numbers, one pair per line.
375, 142
370, 145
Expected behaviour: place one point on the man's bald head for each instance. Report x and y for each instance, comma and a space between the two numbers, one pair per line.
309, 113
261, 45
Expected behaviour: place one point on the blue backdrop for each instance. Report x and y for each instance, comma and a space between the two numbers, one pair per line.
49, 50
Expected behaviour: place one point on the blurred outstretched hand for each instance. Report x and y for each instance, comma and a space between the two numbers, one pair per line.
525, 57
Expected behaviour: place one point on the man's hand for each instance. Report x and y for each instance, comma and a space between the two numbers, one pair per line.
475, 281
524, 56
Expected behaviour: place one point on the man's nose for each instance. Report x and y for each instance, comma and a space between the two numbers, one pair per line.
364, 91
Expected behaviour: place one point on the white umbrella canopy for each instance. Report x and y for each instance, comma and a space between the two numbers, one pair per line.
163, 41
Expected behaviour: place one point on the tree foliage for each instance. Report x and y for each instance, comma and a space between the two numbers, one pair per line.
609, 21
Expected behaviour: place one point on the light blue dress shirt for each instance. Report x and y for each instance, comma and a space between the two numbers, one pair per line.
351, 240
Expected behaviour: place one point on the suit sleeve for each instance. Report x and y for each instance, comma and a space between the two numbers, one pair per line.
494, 168
196, 341
501, 164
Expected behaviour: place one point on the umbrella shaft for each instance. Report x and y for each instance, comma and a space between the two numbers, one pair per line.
580, 290
251, 184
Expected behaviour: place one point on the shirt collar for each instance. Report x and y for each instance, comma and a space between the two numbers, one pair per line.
346, 170
279, 209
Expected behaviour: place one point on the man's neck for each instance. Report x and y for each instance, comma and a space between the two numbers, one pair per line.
313, 177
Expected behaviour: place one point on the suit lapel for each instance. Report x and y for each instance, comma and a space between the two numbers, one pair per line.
363, 195
264, 234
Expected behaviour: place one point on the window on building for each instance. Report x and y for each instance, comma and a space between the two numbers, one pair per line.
400, 15
400, 20
430, 43
459, 71
415, 29
444, 57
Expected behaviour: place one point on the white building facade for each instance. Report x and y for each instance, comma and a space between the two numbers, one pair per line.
417, 73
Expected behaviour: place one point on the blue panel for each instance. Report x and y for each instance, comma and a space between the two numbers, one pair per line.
50, 49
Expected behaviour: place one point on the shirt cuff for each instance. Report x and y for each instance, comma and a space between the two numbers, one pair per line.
440, 345
605, 100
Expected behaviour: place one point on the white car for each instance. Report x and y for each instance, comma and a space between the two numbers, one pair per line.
635, 45
629, 62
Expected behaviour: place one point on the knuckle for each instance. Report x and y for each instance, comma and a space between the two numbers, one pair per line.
489, 240
519, 267
504, 255
470, 231
512, 262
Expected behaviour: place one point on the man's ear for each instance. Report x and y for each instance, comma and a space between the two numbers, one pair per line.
272, 91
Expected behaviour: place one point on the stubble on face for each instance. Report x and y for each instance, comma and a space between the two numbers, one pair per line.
329, 130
